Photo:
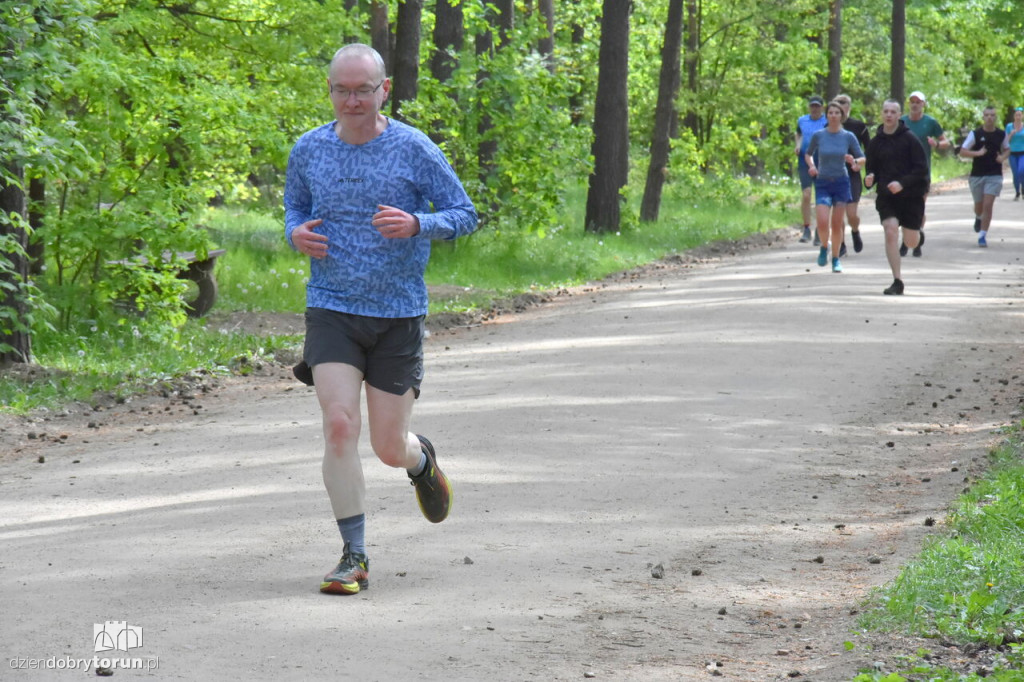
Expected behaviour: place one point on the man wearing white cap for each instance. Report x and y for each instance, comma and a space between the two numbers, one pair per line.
931, 135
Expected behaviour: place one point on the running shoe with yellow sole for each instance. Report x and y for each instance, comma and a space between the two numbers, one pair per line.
433, 490
351, 575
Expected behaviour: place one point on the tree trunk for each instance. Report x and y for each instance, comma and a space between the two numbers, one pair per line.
506, 20
611, 121
351, 6
546, 44
380, 32
835, 50
448, 38
499, 15
897, 84
407, 55
449, 35
691, 120
36, 205
14, 332
664, 112
576, 98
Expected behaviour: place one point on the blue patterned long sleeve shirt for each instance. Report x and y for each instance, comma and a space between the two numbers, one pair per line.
343, 184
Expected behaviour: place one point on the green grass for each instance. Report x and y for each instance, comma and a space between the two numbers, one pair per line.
91, 366
259, 272
967, 586
502, 262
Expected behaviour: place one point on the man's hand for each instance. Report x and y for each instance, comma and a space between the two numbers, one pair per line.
895, 187
394, 223
309, 242
869, 180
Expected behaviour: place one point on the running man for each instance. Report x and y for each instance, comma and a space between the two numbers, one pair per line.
897, 168
807, 125
860, 131
364, 196
931, 136
987, 148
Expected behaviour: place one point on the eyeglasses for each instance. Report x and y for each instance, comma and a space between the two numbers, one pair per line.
364, 92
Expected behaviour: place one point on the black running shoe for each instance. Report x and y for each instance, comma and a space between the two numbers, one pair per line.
895, 289
917, 249
433, 489
977, 224
303, 373
903, 249
842, 249
858, 244
351, 575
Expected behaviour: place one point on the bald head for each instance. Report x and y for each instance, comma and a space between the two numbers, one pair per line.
360, 51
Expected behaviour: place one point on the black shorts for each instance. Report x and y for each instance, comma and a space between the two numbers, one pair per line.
388, 351
909, 211
856, 186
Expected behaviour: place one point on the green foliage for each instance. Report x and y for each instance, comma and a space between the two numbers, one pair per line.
138, 116
259, 272
968, 586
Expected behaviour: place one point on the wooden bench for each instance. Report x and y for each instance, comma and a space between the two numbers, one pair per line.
199, 271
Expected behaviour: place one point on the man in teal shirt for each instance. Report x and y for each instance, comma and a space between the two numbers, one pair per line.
931, 135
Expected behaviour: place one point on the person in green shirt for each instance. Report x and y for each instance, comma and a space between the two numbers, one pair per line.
930, 133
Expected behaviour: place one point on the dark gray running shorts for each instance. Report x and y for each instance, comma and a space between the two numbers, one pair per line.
388, 351
909, 211
856, 185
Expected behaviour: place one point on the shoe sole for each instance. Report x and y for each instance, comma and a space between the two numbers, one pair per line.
432, 461
335, 587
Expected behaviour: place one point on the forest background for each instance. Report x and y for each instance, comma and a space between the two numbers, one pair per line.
123, 123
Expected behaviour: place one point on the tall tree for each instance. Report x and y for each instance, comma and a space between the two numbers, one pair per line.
380, 32
611, 121
897, 72
664, 113
577, 33
546, 44
407, 54
835, 50
500, 15
15, 333
691, 120
449, 34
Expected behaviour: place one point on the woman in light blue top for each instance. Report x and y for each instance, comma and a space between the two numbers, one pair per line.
835, 147
1015, 138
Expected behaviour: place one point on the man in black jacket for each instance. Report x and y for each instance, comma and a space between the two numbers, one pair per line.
896, 166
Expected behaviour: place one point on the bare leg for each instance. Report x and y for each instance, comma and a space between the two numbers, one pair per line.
389, 416
852, 217
838, 227
337, 389
822, 214
987, 204
892, 245
805, 205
